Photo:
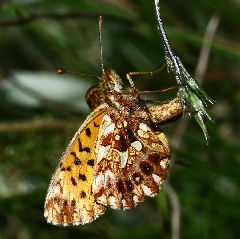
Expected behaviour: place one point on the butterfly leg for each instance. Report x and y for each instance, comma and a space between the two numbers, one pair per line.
156, 91
128, 75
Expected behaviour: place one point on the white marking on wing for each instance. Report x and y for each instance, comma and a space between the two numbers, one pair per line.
124, 203
109, 129
156, 178
106, 118
76, 223
140, 133
117, 137
135, 199
98, 182
46, 215
124, 158
143, 127
154, 194
146, 190
56, 190
109, 174
102, 199
111, 98
163, 163
112, 201
137, 145
102, 152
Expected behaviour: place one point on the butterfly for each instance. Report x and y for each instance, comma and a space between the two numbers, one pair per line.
116, 158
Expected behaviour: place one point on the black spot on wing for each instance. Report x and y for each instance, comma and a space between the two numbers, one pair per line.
155, 158
129, 185
123, 145
82, 177
146, 168
90, 162
73, 181
129, 134
120, 186
68, 168
83, 194
73, 203
77, 161
96, 125
88, 132
65, 203
81, 149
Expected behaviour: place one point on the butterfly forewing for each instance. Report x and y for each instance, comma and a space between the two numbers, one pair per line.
70, 199
131, 161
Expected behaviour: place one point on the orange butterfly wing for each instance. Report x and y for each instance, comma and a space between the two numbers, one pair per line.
70, 198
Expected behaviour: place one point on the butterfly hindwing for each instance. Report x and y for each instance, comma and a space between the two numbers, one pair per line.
70, 199
131, 161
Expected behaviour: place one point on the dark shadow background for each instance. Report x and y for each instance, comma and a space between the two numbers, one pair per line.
40, 110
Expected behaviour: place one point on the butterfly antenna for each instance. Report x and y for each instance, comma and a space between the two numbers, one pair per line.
100, 42
61, 71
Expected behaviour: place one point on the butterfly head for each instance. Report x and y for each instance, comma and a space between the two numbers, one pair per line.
112, 81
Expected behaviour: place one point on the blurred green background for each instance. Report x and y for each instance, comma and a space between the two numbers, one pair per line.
40, 111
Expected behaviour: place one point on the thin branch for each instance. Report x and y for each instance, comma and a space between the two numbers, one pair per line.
175, 210
169, 55
55, 16
202, 64
200, 71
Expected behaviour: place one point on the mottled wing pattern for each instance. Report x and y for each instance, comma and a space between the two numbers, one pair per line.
70, 198
131, 161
